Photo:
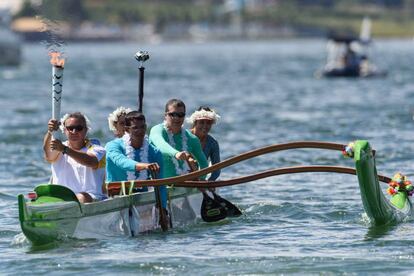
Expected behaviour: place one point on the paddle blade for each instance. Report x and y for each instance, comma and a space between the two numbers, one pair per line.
232, 210
211, 210
164, 219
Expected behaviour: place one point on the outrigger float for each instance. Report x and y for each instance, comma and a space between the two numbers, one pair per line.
55, 213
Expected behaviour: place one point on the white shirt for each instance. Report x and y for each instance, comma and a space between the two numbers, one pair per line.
80, 178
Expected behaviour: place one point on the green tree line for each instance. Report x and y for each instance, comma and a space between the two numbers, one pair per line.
391, 17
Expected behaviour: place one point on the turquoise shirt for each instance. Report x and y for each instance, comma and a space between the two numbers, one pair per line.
159, 138
118, 164
212, 152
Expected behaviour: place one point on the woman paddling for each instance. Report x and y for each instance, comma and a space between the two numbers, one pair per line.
202, 120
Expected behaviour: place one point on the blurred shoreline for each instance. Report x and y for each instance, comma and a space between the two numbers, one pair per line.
140, 32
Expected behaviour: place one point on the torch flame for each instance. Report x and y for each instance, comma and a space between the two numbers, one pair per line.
56, 59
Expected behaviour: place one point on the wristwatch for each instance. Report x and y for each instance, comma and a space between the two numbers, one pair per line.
65, 150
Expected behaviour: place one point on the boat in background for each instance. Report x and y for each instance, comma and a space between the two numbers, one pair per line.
10, 43
348, 55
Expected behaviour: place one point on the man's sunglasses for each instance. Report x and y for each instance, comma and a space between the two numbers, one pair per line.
77, 128
176, 114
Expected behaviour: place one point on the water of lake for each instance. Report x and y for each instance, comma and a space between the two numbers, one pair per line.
266, 93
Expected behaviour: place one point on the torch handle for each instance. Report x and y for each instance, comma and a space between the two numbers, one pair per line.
141, 88
57, 84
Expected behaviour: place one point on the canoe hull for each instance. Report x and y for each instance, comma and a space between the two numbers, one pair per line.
122, 215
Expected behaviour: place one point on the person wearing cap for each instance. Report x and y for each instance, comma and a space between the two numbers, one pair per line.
76, 163
116, 121
132, 157
201, 121
177, 145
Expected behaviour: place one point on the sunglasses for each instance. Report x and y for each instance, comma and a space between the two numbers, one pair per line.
77, 128
176, 114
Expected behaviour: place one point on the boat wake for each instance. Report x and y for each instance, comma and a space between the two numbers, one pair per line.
20, 240
6, 196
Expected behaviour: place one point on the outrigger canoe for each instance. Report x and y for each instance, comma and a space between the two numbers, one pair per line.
57, 214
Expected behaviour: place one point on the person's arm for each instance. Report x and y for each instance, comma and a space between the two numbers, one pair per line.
157, 139
49, 154
197, 152
215, 158
115, 153
88, 159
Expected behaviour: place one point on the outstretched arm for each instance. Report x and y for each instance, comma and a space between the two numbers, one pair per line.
89, 159
115, 153
157, 139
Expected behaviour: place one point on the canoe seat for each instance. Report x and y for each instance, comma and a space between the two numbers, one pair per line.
54, 192
121, 188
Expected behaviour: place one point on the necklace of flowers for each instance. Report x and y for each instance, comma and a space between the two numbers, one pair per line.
143, 156
185, 169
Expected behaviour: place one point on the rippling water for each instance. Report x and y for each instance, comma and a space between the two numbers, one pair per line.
266, 93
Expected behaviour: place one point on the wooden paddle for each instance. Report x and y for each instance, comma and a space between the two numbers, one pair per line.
230, 208
211, 210
163, 216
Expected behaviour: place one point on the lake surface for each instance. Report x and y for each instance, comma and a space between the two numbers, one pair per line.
266, 93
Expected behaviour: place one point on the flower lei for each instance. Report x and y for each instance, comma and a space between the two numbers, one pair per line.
185, 169
399, 183
348, 151
143, 156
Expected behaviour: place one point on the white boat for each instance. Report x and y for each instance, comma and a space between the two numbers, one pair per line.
348, 55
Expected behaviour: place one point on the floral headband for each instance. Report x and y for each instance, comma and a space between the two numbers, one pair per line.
66, 116
113, 117
203, 115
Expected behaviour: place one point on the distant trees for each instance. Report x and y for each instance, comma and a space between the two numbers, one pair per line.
316, 14
27, 10
71, 11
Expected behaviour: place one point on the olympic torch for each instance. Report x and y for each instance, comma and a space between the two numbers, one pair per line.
58, 63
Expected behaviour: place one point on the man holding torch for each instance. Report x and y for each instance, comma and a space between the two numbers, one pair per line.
76, 163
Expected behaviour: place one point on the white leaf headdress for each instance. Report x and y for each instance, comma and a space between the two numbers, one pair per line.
203, 114
114, 116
